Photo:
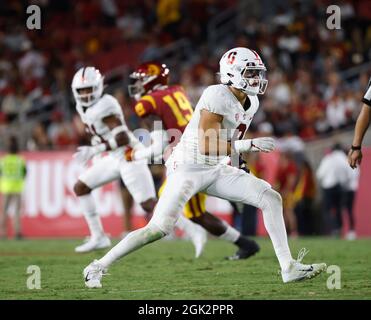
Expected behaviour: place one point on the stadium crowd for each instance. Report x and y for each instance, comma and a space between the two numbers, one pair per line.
305, 60
308, 95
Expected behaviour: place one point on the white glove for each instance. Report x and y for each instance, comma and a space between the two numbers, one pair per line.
85, 153
264, 144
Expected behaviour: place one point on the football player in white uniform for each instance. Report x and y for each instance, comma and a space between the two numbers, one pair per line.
198, 164
103, 117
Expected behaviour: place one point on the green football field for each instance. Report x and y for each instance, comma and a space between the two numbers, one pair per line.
167, 270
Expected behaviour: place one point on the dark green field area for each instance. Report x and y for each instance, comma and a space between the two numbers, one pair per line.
167, 270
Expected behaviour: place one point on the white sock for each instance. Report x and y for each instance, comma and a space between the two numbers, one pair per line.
230, 234
271, 206
133, 241
92, 217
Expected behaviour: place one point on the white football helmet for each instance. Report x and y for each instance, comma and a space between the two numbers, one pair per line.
243, 69
87, 78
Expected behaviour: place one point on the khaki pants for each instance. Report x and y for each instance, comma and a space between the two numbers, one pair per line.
7, 200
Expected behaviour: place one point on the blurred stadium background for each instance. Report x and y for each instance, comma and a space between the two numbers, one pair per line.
317, 78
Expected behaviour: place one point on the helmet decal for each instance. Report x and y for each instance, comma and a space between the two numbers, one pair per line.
231, 57
153, 70
148, 77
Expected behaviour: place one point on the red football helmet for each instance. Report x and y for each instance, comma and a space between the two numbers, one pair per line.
148, 76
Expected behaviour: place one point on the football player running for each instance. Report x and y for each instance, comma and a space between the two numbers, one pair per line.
197, 164
103, 117
169, 104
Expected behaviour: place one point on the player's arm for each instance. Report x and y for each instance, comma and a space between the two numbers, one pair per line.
118, 129
363, 122
210, 143
119, 138
159, 139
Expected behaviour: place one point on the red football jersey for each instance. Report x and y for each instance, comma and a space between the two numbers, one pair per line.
170, 104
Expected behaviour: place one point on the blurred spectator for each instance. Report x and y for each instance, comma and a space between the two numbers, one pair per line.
15, 39
336, 112
12, 177
304, 59
350, 190
285, 182
304, 199
109, 11
65, 137
169, 15
39, 139
14, 105
131, 24
333, 175
31, 64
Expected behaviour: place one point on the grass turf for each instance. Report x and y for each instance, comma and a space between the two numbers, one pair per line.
167, 270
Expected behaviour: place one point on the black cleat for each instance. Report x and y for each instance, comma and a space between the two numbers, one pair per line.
247, 248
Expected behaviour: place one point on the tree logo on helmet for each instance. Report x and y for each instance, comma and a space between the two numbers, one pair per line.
231, 57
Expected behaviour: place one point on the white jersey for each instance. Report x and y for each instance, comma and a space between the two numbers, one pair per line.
220, 100
93, 117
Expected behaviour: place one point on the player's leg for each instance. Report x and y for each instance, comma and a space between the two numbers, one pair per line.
195, 209
17, 198
138, 180
103, 171
179, 189
128, 203
4, 215
337, 201
236, 185
194, 232
349, 198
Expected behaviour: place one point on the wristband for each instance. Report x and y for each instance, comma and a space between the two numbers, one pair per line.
355, 148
